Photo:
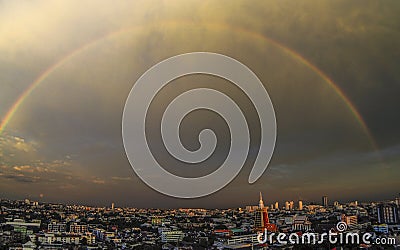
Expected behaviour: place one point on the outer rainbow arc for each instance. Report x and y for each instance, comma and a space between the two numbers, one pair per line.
289, 51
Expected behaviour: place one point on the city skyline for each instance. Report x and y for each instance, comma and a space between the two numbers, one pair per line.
29, 225
268, 204
330, 68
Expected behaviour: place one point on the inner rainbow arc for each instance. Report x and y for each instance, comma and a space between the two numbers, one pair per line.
360, 120
14, 108
17, 104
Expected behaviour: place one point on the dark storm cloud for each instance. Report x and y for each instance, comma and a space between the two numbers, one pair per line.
20, 178
354, 42
74, 116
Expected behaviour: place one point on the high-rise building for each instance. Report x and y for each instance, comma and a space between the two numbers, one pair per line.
350, 220
397, 201
112, 206
291, 205
276, 205
251, 208
287, 205
78, 228
300, 205
261, 202
55, 227
261, 215
325, 201
261, 220
388, 213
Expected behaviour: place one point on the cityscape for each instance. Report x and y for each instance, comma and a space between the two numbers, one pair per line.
27, 224
199, 124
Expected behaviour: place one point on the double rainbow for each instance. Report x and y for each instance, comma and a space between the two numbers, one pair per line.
251, 34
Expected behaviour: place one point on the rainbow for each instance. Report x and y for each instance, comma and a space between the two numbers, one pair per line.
43, 75
295, 55
325, 77
14, 108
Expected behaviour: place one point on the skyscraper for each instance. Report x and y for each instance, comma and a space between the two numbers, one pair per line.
276, 205
261, 220
286, 205
388, 213
291, 205
300, 205
325, 201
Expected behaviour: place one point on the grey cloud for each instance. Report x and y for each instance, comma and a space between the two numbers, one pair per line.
71, 123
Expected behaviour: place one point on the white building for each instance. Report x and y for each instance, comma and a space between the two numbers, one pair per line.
57, 227
77, 228
50, 238
172, 236
382, 228
29, 246
300, 223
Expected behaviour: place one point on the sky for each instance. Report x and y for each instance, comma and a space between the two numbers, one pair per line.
330, 68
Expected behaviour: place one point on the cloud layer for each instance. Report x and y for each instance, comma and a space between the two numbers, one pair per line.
65, 140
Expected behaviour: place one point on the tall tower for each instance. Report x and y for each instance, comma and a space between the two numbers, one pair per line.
300, 205
261, 220
261, 202
325, 201
291, 205
276, 205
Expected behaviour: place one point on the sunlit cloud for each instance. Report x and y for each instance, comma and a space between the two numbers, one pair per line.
118, 178
98, 181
